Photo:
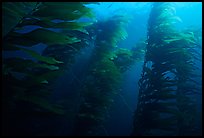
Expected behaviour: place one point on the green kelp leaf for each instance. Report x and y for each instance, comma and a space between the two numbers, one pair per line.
44, 81
189, 36
19, 39
123, 59
67, 7
12, 8
172, 40
123, 52
50, 24
43, 103
33, 80
46, 77
22, 65
49, 37
9, 22
40, 36
71, 25
48, 60
51, 67
176, 19
66, 11
13, 12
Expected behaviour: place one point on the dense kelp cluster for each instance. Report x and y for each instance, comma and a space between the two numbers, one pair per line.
26, 81
103, 79
165, 103
167, 89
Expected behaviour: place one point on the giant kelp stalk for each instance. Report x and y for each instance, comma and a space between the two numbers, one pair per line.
103, 78
26, 81
188, 85
165, 102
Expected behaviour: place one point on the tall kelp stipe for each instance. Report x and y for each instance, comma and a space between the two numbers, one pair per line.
26, 81
103, 78
165, 103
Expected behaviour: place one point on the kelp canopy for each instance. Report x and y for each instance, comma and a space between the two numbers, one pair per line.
27, 81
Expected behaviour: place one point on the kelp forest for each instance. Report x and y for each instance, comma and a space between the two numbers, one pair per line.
81, 69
